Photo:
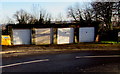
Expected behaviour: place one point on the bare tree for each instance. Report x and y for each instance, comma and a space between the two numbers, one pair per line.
22, 17
41, 15
116, 13
9, 21
74, 13
79, 14
60, 19
103, 11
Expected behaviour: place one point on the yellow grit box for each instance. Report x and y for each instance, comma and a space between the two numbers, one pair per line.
6, 40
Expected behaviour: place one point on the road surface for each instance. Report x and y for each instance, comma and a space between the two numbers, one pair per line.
62, 62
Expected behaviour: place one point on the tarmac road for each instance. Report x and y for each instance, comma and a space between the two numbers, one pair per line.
82, 61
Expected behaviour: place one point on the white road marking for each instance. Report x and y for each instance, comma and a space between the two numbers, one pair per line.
24, 63
99, 56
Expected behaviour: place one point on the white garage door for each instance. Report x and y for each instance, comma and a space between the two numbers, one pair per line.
43, 36
65, 35
86, 34
21, 36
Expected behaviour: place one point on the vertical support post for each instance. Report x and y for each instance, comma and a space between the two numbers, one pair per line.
33, 36
51, 36
10, 32
0, 36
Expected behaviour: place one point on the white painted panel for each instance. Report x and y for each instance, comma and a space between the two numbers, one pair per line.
21, 36
65, 35
86, 34
118, 34
43, 36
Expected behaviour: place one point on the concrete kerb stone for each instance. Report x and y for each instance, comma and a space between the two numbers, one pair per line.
5, 52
